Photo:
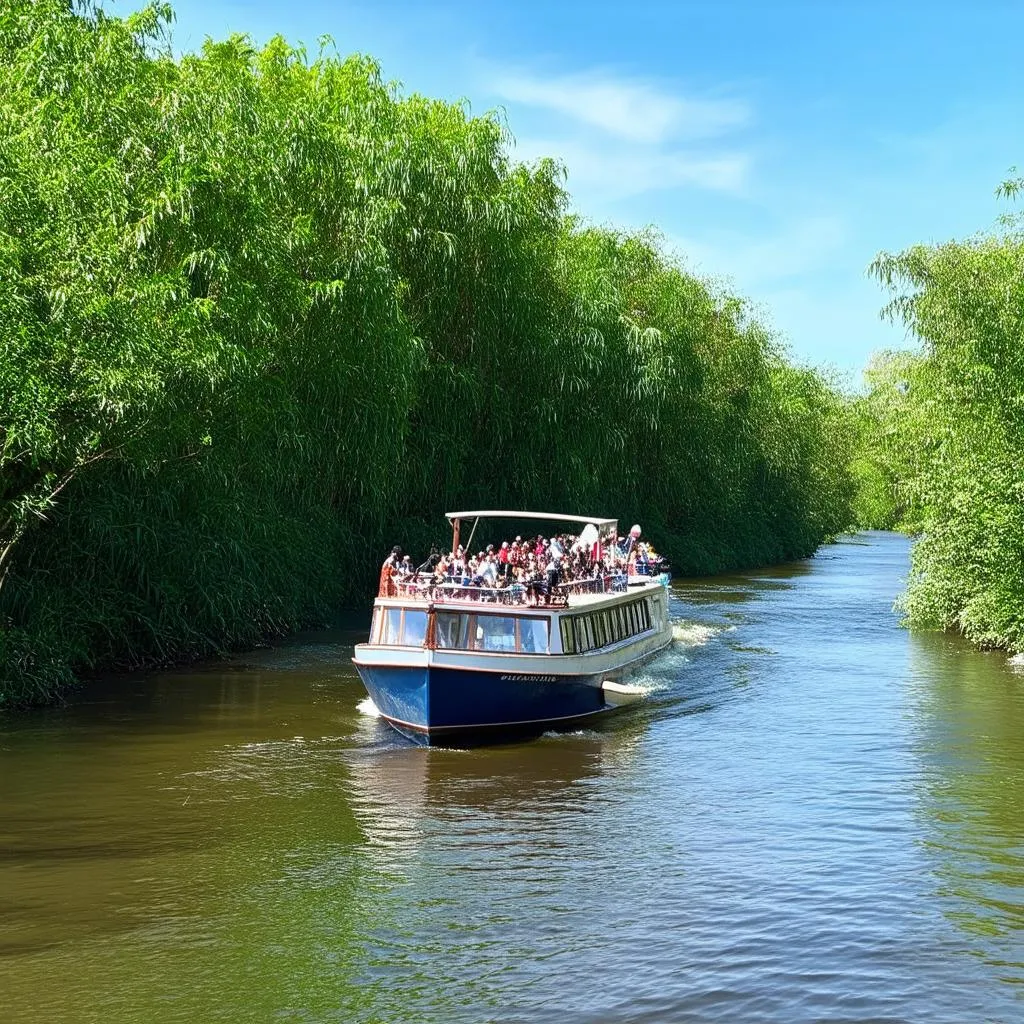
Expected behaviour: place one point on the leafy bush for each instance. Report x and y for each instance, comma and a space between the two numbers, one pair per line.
961, 428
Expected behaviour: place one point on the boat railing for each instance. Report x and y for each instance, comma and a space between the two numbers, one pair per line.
609, 584
510, 594
514, 593
657, 567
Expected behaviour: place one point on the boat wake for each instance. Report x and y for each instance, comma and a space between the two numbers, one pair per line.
368, 708
662, 673
648, 684
694, 634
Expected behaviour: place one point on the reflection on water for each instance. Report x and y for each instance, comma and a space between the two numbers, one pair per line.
401, 793
970, 710
812, 816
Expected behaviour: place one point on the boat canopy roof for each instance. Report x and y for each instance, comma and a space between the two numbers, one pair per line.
553, 516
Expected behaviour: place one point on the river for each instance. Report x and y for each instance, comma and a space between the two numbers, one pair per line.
814, 816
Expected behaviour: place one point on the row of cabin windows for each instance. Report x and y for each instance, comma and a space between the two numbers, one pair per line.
600, 628
407, 627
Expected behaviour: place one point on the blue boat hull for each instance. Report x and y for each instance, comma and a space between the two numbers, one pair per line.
437, 705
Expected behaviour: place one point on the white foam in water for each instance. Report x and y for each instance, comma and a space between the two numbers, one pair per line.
1016, 662
368, 708
649, 684
693, 634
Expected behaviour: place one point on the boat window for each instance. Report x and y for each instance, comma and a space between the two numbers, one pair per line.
533, 636
392, 625
588, 633
453, 630
414, 628
495, 633
579, 636
570, 644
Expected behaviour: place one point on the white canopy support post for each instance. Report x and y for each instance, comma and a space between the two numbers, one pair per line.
472, 534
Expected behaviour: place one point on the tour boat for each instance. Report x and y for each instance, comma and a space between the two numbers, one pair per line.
450, 663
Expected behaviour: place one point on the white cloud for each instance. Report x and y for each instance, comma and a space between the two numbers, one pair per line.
628, 109
621, 136
609, 172
801, 247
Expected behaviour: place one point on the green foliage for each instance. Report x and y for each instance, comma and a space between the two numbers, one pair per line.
959, 428
886, 435
262, 316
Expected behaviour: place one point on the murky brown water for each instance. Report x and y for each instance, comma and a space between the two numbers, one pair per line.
814, 817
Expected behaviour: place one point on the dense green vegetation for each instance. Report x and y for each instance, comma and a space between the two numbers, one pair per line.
883, 453
261, 316
948, 429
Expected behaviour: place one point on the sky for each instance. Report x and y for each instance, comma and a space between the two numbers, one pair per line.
777, 147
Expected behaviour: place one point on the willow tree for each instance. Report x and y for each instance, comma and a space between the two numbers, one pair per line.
264, 315
891, 433
962, 416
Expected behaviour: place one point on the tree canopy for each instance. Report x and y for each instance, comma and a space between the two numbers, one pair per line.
262, 315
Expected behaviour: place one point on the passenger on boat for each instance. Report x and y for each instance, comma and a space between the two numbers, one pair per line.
386, 587
553, 572
489, 571
458, 563
631, 540
531, 569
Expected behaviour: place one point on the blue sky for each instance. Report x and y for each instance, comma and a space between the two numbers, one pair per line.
777, 146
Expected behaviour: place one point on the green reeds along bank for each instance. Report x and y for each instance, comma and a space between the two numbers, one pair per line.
958, 432
263, 316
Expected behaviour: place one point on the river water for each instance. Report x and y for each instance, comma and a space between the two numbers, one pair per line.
815, 816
